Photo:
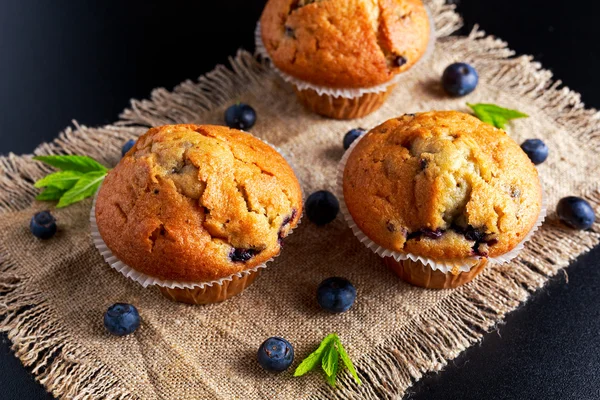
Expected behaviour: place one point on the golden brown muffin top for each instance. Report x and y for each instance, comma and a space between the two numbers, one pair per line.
196, 203
442, 185
344, 43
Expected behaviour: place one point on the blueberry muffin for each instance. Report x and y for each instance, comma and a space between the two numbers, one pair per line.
443, 186
338, 44
198, 203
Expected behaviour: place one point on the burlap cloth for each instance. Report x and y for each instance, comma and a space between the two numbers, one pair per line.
53, 293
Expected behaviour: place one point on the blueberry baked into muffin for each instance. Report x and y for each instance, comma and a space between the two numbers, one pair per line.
198, 203
340, 44
443, 186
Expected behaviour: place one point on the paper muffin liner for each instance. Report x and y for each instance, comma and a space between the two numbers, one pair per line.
345, 93
463, 265
147, 280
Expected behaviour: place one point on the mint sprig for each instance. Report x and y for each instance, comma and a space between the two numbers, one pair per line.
328, 356
79, 179
495, 115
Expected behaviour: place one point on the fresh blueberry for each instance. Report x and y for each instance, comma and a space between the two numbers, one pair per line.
240, 116
459, 79
127, 146
536, 150
275, 354
351, 136
575, 212
121, 319
322, 207
43, 225
336, 295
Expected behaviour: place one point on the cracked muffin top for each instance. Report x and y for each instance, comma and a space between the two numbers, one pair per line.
344, 43
442, 185
196, 203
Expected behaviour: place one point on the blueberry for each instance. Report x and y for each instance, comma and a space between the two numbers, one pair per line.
240, 116
459, 79
127, 146
351, 136
322, 207
536, 150
275, 354
336, 295
575, 212
43, 225
121, 319
242, 255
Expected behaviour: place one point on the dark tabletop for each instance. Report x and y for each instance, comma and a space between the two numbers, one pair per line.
85, 59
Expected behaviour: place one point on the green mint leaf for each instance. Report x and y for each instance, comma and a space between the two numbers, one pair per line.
495, 115
331, 379
61, 180
329, 363
85, 187
50, 194
314, 359
72, 163
346, 360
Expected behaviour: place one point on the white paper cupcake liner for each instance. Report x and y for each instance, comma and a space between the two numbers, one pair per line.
147, 280
345, 93
463, 265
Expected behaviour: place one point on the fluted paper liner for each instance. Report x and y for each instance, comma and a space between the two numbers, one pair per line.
345, 93
147, 280
463, 265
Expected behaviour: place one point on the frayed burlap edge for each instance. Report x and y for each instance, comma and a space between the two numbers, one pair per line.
425, 344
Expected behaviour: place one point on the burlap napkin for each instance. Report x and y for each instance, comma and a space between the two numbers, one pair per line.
53, 293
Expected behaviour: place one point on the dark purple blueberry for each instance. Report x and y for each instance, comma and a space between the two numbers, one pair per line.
474, 234
240, 116
336, 295
431, 234
43, 225
289, 32
536, 150
289, 218
351, 136
576, 213
423, 164
390, 226
459, 79
275, 354
285, 222
400, 61
127, 146
242, 255
121, 319
322, 207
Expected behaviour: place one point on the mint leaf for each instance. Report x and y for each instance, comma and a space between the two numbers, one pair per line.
347, 361
50, 193
331, 379
310, 362
85, 187
330, 361
61, 180
72, 163
495, 115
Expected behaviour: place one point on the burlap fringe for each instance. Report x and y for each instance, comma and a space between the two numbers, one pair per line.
423, 345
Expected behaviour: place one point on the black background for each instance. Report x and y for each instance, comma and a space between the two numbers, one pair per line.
85, 59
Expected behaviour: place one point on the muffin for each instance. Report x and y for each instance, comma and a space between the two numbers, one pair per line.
441, 191
202, 206
343, 56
